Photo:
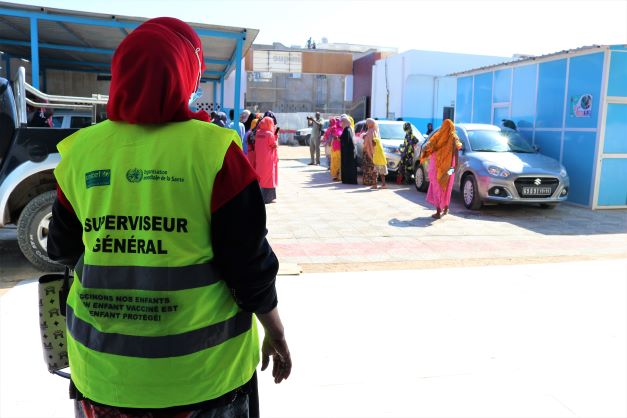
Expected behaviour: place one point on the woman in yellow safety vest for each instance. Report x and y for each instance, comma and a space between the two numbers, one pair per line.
168, 215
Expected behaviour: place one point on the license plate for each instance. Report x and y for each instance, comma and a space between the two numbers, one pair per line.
536, 191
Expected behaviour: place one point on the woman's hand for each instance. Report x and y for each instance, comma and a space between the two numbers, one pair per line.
275, 346
281, 359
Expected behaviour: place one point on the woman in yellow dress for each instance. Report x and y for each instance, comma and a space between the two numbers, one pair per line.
378, 156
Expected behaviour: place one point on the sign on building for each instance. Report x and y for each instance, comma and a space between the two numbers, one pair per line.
260, 77
277, 61
581, 106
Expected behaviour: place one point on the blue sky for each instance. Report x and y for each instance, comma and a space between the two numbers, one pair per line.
489, 27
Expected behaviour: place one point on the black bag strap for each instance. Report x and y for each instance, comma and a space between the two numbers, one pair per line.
65, 290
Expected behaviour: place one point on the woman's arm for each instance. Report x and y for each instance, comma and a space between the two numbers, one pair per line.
249, 266
367, 147
426, 151
273, 141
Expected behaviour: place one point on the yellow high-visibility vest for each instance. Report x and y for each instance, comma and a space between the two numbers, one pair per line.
151, 324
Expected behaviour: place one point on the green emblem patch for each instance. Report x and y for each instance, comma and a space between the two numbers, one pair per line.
134, 175
98, 178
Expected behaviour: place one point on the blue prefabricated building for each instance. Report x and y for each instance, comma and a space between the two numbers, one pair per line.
571, 104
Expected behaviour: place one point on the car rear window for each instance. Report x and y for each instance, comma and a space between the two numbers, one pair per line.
395, 131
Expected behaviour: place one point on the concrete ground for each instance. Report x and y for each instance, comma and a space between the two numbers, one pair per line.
501, 341
326, 226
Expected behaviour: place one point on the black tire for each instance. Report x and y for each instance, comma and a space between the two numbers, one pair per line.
470, 193
32, 228
420, 179
307, 138
548, 205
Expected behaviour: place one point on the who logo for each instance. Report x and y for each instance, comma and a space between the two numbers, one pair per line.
134, 175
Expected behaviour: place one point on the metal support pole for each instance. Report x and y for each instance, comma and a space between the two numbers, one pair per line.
34, 52
238, 82
221, 93
215, 96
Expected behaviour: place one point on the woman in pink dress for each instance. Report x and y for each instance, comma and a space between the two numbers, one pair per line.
332, 137
442, 150
267, 158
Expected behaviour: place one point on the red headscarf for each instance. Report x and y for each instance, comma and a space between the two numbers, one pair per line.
154, 71
266, 124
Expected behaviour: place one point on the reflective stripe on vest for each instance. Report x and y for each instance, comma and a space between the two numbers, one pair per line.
148, 278
151, 323
161, 346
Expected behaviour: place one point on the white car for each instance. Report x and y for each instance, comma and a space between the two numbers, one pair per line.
392, 137
304, 135
67, 119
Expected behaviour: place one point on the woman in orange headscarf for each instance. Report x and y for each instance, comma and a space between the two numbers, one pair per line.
442, 150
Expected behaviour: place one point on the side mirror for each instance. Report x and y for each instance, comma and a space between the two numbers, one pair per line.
536, 148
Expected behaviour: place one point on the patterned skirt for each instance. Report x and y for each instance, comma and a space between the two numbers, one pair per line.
369, 171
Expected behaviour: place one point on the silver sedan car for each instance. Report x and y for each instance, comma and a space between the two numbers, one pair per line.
499, 166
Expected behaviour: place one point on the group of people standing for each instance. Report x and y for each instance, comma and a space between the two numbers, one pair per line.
259, 135
339, 145
441, 150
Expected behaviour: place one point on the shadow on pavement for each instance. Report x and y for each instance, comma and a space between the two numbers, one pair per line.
364, 189
565, 219
322, 179
414, 223
304, 161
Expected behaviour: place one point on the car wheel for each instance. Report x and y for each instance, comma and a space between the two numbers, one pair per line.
548, 205
32, 231
470, 193
420, 179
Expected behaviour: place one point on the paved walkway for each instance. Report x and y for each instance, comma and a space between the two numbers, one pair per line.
318, 224
502, 341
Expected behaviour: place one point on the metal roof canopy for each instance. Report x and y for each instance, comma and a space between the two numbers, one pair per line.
528, 60
85, 42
